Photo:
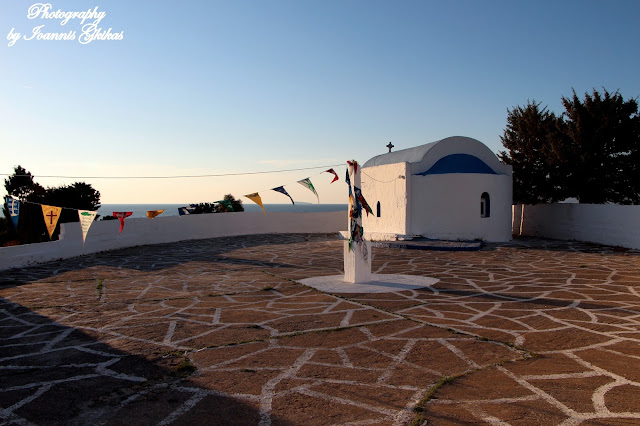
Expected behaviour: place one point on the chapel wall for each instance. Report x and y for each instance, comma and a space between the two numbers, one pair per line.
383, 184
447, 206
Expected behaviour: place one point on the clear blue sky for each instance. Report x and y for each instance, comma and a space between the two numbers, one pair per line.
203, 87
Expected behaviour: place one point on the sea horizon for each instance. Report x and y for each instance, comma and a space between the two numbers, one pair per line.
171, 209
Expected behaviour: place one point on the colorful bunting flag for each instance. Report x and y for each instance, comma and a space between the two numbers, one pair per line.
307, 184
351, 199
366, 206
153, 213
256, 199
334, 173
185, 210
51, 215
281, 190
353, 165
122, 216
86, 220
362, 201
356, 203
227, 204
357, 233
13, 206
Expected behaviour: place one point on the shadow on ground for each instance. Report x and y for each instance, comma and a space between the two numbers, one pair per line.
54, 374
159, 256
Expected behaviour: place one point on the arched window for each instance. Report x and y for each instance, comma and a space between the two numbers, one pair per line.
485, 205
378, 209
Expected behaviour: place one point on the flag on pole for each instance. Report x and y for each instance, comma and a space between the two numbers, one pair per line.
353, 164
185, 210
51, 215
86, 220
255, 197
281, 190
122, 216
307, 184
13, 206
334, 173
153, 213
352, 202
362, 201
351, 199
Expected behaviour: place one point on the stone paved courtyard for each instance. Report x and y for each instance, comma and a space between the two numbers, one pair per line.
219, 331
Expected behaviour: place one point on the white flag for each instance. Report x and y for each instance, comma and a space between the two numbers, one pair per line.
86, 219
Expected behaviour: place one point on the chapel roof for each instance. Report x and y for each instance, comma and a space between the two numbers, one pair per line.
462, 149
409, 155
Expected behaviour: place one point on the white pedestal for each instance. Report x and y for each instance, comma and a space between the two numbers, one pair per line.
356, 268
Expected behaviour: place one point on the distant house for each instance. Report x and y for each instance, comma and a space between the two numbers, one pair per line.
455, 188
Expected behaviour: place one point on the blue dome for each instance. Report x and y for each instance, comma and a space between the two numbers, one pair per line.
459, 163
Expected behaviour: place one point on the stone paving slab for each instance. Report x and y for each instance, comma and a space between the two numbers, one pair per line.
221, 331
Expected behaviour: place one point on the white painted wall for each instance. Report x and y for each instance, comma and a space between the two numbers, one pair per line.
608, 224
104, 236
381, 183
447, 206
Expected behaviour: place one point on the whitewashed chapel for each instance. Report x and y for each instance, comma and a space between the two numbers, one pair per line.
454, 189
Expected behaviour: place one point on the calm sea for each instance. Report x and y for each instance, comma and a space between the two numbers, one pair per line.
140, 210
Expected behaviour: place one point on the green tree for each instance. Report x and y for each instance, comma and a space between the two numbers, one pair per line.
31, 227
591, 152
201, 208
604, 138
235, 204
77, 196
22, 186
227, 204
532, 141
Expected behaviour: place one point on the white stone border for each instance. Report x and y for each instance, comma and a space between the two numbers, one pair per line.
104, 236
380, 283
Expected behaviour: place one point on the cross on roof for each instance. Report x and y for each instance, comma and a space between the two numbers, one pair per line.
390, 146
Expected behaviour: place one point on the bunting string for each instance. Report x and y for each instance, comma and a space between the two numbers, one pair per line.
304, 182
175, 176
381, 181
51, 214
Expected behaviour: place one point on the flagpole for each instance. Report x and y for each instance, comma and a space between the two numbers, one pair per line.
357, 251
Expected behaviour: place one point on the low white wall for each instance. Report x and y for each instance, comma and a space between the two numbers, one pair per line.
103, 235
608, 224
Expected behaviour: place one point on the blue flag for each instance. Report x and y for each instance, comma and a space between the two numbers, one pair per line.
362, 202
13, 206
281, 190
185, 210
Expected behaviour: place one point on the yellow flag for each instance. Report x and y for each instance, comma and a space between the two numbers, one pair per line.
51, 215
256, 199
153, 213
